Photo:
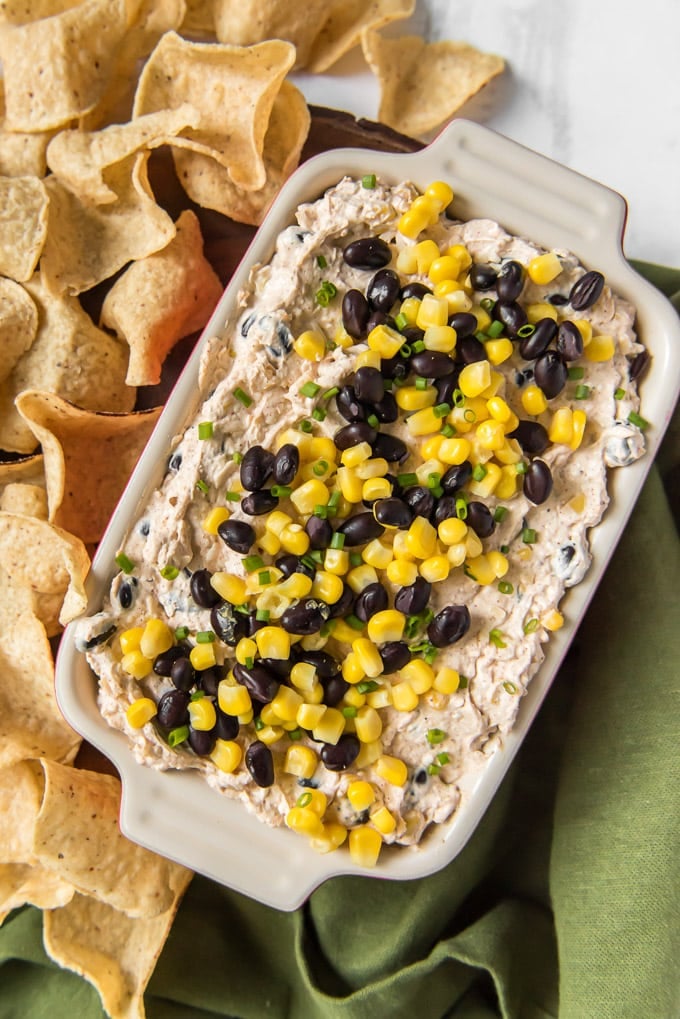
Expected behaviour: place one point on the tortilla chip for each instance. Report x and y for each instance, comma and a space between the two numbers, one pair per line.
344, 24
57, 68
23, 225
23, 12
70, 356
234, 89
77, 835
31, 724
23, 884
82, 498
90, 243
423, 84
199, 17
21, 793
18, 323
28, 472
253, 21
21, 154
207, 182
28, 500
114, 952
82, 160
50, 564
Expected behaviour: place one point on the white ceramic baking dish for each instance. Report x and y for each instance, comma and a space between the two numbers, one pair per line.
176, 813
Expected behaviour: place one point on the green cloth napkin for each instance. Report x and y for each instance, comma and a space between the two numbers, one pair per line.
566, 899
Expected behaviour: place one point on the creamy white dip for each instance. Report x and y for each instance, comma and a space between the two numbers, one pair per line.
255, 354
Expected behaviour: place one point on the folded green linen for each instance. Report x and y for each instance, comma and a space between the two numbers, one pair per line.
565, 901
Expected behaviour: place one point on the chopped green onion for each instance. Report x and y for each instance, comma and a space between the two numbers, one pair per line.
619, 393
197, 695
469, 415
328, 627
529, 536
319, 414
295, 735
321, 261
406, 480
321, 512
309, 389
262, 615
305, 425
443, 758
178, 735
461, 507
487, 303
249, 662
205, 430
496, 637
405, 351
355, 623
334, 501
463, 682
307, 561
205, 637
237, 458
181, 633
320, 467
203, 486
330, 393
582, 392
355, 559
575, 373
495, 330
505, 587
232, 496
520, 467
441, 410
435, 736
317, 555
350, 711
325, 293
433, 479
338, 540
252, 563
259, 724
400, 321
526, 330
417, 346
243, 397
367, 686
169, 572
126, 565
264, 577
500, 513
373, 421
448, 431
638, 421
281, 491
368, 181
509, 687
479, 472
481, 336
420, 382
433, 769
505, 549
304, 800
458, 398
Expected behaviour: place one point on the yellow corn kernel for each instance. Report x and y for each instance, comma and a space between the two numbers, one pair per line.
277, 521
410, 398
352, 671
535, 312
383, 820
226, 755
498, 409
445, 267
490, 434
136, 664
480, 569
327, 587
380, 698
330, 726
401, 572
544, 268
297, 585
286, 703
364, 846
273, 642
561, 426
246, 718
305, 821
360, 794
435, 568
309, 715
553, 620
474, 378
367, 359
409, 309
369, 753
446, 680
262, 579
508, 483
427, 468
316, 470
387, 342
473, 545
336, 561
376, 488
273, 602
404, 697
360, 577
423, 422
343, 632
321, 447
406, 259
454, 451
140, 712
368, 724
202, 656
368, 657
310, 345
342, 338
426, 253
307, 496
391, 769
600, 348
297, 438
441, 196
300, 761
511, 453
498, 351
482, 316
418, 674
433, 311
462, 419
496, 385
578, 503
430, 447
373, 467
386, 626
412, 223
585, 329
499, 562
377, 555
578, 422
332, 837
488, 484
399, 547
202, 714
421, 539
270, 734
129, 639
268, 715
316, 800
214, 518
315, 694
452, 530
233, 700
456, 554
156, 638
350, 484
294, 538
354, 698
245, 649
454, 295
269, 543
356, 457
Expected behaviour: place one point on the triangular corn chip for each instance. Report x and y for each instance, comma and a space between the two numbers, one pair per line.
18, 324
23, 225
344, 24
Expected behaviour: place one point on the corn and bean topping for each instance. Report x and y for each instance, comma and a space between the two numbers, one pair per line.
329, 617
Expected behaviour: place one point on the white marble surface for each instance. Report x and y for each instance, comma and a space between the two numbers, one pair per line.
594, 84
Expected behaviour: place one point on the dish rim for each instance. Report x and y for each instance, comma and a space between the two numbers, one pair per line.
530, 195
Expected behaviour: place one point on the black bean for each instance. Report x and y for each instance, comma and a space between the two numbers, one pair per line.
257, 503
173, 709
238, 535
209, 679
228, 624
286, 464
449, 625
393, 512
480, 519
306, 616
386, 410
469, 349
483, 277
558, 300
280, 667
383, 290
456, 476
320, 532
125, 594
389, 447
532, 436
395, 655
368, 253
256, 468
326, 666
464, 323
359, 529
258, 681
431, 364
550, 373
352, 435
355, 312
175, 462
447, 386
569, 341
415, 289
523, 377
413, 598
412, 334
531, 347
538, 482
348, 405
339, 756
445, 509
369, 385
372, 599
253, 624
343, 606
203, 593
335, 689
378, 318
163, 662
639, 365
586, 291
202, 742
396, 367
510, 282
512, 315
260, 764
227, 726
420, 501
290, 564
183, 674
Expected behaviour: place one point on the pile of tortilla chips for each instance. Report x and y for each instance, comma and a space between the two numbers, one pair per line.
89, 90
